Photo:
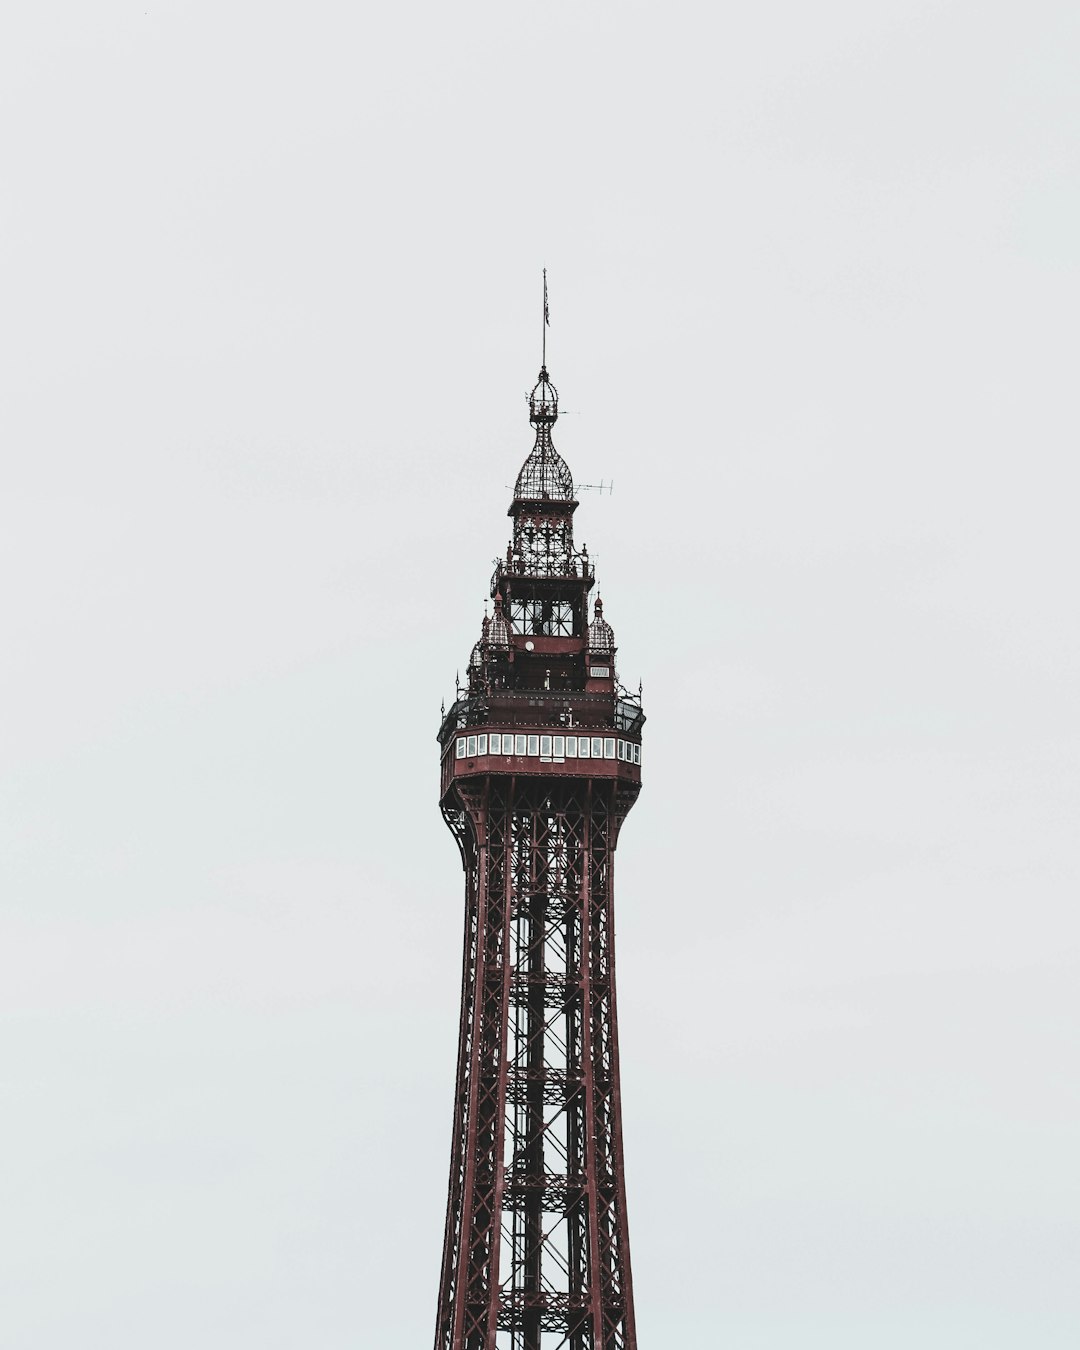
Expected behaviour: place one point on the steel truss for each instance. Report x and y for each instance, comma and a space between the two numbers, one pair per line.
536, 1254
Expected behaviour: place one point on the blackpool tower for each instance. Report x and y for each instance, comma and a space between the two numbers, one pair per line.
541, 761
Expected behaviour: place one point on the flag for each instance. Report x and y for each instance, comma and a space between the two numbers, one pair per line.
547, 316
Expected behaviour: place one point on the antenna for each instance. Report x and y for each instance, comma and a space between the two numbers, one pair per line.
600, 487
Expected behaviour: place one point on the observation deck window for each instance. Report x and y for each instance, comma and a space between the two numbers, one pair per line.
548, 747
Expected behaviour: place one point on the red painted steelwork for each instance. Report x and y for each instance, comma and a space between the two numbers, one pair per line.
536, 1253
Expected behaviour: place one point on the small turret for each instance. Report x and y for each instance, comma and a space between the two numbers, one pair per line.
498, 634
600, 659
601, 633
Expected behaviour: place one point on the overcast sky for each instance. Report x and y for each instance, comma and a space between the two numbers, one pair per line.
269, 307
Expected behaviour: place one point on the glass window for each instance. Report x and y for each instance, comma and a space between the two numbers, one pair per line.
519, 745
534, 745
558, 746
598, 747
609, 747
527, 616
461, 747
496, 742
637, 754
571, 747
471, 750
481, 745
583, 747
545, 747
620, 749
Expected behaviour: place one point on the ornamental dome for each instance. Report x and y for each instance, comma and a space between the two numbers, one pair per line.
601, 634
498, 631
543, 401
545, 475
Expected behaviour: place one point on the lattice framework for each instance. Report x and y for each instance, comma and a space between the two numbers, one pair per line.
536, 1254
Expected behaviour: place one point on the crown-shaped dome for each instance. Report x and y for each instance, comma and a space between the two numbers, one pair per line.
545, 475
544, 400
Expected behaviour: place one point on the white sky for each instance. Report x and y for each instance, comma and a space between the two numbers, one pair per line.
270, 306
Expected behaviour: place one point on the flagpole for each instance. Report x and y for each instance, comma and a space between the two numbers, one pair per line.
543, 344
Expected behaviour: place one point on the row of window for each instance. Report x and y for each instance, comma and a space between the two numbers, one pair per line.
551, 748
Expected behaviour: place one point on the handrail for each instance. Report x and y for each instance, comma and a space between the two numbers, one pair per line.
542, 707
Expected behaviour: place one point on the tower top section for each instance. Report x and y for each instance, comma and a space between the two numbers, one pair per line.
542, 681
545, 476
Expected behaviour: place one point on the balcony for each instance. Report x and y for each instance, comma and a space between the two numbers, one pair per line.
556, 565
546, 708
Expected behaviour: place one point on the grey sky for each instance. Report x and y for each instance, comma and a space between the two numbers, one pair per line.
270, 310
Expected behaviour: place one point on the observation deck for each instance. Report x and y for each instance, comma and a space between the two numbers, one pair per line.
542, 732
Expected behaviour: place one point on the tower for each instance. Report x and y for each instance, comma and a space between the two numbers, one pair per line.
541, 761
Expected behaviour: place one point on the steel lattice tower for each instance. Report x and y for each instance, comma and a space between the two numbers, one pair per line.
541, 757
